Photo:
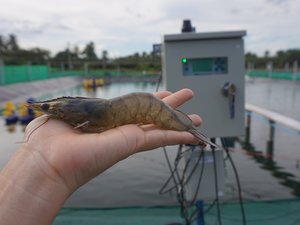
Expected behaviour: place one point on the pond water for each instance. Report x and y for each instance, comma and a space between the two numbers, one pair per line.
137, 180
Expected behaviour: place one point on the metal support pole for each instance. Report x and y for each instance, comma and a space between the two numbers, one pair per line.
2, 73
295, 70
48, 70
86, 69
62, 67
270, 142
118, 69
270, 69
248, 127
70, 64
29, 71
200, 214
287, 67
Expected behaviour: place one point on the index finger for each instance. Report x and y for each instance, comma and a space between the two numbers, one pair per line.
180, 97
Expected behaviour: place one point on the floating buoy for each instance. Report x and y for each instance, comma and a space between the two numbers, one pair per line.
26, 115
99, 82
10, 116
93, 83
9, 109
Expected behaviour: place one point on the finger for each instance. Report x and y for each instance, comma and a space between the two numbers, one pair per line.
156, 138
162, 94
197, 120
175, 100
178, 98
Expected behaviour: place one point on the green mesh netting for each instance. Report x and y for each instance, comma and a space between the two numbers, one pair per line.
273, 74
285, 212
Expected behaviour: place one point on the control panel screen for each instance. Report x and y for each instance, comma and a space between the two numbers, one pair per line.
204, 66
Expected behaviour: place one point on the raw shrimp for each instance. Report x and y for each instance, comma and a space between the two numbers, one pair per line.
96, 115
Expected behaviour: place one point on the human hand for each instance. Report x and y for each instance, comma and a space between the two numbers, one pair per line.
56, 159
79, 157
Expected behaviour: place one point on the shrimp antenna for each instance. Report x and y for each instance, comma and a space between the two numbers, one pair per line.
203, 138
29, 135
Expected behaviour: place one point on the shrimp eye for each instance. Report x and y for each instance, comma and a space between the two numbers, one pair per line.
45, 106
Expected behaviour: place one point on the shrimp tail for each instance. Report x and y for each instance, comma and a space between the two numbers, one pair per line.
203, 138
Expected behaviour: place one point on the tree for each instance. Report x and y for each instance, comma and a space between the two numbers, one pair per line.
12, 44
38, 55
61, 59
75, 53
89, 52
267, 54
2, 45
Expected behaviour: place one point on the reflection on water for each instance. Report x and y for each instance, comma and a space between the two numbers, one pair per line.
283, 161
106, 91
268, 163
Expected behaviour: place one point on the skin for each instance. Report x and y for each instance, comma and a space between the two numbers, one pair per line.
57, 159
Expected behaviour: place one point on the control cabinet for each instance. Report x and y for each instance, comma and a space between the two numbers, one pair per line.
213, 66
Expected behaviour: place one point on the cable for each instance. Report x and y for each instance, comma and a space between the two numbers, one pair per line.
180, 197
199, 182
161, 191
191, 173
202, 156
216, 185
181, 180
237, 180
179, 190
180, 183
179, 156
181, 194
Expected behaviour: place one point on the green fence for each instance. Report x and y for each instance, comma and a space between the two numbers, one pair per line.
273, 74
26, 73
16, 74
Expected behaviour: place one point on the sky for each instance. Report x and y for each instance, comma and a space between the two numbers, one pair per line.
123, 27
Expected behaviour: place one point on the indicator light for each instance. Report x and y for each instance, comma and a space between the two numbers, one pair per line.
184, 60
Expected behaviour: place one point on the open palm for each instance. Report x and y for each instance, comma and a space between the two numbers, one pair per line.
69, 156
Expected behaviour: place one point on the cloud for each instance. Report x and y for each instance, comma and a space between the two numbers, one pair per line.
127, 26
277, 2
235, 11
28, 27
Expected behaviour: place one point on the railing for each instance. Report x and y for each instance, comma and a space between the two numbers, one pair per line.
273, 118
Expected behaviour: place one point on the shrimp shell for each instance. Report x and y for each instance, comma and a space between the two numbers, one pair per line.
95, 115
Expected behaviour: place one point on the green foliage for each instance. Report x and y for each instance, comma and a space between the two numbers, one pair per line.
12, 54
89, 52
74, 58
142, 62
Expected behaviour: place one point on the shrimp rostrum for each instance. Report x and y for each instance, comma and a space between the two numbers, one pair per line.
96, 115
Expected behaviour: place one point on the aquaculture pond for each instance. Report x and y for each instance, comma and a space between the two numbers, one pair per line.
137, 180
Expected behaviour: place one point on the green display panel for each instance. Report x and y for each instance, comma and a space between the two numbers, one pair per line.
204, 66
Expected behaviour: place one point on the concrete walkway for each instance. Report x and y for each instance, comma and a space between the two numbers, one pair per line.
19, 92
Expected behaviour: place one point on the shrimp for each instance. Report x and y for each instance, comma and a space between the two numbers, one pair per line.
94, 115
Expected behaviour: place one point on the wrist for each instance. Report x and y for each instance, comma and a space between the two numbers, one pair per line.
30, 193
